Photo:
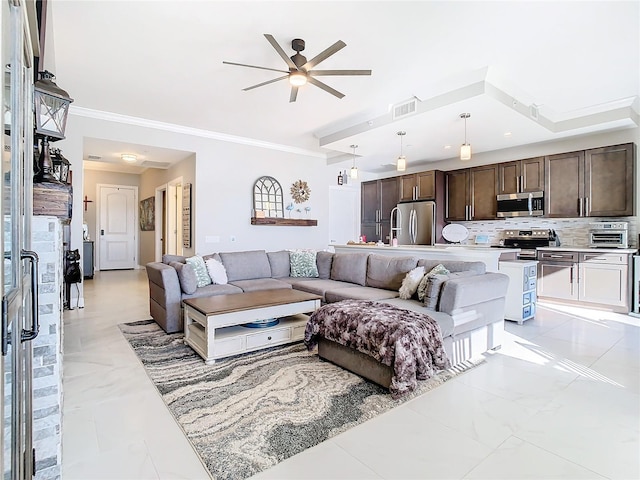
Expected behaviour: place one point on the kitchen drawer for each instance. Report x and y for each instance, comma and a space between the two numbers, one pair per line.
557, 256
265, 338
597, 257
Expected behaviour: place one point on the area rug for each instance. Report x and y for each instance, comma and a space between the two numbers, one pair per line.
245, 414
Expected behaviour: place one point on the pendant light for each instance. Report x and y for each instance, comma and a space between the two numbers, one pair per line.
465, 149
401, 163
354, 169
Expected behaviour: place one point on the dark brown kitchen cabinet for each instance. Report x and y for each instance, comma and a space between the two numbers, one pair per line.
521, 176
591, 183
419, 186
378, 198
471, 193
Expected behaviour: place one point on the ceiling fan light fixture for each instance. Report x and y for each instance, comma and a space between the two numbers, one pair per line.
401, 162
354, 170
297, 79
465, 149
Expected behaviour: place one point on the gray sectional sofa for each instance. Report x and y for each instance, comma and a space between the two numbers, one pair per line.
470, 309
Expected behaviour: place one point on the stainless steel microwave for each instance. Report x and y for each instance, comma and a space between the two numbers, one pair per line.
529, 204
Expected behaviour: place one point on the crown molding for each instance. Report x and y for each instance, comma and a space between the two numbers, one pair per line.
195, 132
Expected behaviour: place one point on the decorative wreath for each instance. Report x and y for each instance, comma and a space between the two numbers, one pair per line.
300, 191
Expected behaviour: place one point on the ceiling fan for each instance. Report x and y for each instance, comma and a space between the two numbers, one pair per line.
300, 70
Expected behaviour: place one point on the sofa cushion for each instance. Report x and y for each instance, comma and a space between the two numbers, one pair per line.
350, 267
453, 265
201, 270
166, 258
359, 293
410, 283
324, 261
388, 272
439, 269
461, 292
186, 276
303, 263
434, 286
447, 324
320, 286
246, 265
213, 289
261, 284
216, 270
279, 263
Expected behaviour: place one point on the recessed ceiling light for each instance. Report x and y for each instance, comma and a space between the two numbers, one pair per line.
507, 134
447, 147
128, 157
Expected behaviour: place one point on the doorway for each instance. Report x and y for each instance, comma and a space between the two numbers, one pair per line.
169, 210
117, 214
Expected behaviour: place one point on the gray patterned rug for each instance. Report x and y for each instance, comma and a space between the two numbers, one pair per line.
247, 413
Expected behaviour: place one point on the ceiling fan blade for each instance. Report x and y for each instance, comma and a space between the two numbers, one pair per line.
316, 73
294, 94
280, 51
323, 55
255, 66
325, 87
265, 83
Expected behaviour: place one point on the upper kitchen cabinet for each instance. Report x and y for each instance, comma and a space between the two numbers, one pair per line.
608, 181
471, 193
378, 198
420, 186
521, 176
591, 183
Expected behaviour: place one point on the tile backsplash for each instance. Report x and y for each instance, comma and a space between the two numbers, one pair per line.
572, 232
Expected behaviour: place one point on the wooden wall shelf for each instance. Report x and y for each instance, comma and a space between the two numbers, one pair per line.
287, 222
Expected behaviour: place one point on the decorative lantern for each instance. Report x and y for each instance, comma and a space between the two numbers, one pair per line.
60, 166
45, 165
51, 107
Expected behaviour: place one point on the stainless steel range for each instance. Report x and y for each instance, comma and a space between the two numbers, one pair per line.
529, 240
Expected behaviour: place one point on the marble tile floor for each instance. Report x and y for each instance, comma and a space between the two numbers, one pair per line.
561, 399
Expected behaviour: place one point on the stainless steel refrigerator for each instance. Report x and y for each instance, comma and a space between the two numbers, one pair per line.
414, 223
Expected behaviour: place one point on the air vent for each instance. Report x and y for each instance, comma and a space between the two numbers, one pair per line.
151, 164
93, 157
405, 108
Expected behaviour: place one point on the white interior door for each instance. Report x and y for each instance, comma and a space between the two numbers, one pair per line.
344, 221
117, 227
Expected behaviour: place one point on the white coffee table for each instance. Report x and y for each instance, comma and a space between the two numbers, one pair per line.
212, 325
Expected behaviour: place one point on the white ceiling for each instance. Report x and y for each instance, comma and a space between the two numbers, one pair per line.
576, 63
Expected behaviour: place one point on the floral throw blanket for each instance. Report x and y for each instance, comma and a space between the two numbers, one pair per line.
408, 342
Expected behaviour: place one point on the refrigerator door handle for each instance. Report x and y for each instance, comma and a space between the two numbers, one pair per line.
414, 227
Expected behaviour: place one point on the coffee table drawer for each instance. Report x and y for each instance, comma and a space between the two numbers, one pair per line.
265, 338
229, 346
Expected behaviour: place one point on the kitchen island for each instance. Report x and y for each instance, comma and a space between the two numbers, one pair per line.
469, 253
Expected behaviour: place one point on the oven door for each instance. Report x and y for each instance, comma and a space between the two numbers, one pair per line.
608, 238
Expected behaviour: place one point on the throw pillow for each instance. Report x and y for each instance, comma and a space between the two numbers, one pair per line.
303, 263
432, 290
216, 271
186, 277
411, 282
437, 270
201, 270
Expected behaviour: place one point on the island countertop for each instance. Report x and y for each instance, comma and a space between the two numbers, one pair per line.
483, 253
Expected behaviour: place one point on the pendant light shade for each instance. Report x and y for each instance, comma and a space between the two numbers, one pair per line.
401, 162
354, 170
465, 149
